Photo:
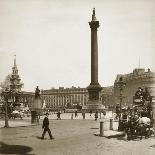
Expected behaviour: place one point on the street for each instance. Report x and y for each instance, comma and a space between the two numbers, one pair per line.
72, 137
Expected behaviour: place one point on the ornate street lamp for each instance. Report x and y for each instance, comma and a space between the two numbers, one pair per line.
120, 84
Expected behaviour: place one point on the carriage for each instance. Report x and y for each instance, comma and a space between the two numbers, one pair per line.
139, 122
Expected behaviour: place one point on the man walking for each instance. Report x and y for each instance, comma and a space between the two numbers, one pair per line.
45, 126
96, 115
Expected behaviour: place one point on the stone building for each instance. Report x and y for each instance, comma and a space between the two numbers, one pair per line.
64, 97
108, 99
138, 78
27, 98
13, 81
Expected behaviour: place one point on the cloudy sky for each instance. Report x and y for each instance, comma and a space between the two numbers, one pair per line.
51, 39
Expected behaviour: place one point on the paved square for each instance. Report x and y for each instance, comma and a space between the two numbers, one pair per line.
72, 137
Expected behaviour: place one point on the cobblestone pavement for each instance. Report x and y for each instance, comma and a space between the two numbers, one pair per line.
72, 137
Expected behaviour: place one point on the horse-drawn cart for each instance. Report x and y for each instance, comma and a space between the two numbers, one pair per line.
140, 123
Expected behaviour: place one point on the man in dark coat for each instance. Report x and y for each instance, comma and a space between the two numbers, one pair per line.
45, 126
58, 115
96, 115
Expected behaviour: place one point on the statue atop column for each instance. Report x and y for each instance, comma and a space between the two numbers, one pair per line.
37, 93
36, 106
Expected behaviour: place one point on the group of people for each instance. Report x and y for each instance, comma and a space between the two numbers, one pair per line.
45, 125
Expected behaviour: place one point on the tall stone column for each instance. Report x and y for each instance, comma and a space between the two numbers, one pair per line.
94, 49
94, 89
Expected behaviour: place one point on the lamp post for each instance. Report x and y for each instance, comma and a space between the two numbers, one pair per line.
6, 96
121, 84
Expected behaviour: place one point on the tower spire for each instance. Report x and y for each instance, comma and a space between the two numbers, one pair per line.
139, 63
15, 60
14, 68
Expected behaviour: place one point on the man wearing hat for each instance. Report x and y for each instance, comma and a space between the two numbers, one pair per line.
45, 126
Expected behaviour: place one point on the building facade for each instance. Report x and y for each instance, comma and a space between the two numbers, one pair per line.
138, 78
27, 98
64, 97
108, 99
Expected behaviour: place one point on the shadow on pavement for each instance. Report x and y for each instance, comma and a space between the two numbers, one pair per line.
122, 138
14, 149
153, 146
118, 137
38, 137
125, 139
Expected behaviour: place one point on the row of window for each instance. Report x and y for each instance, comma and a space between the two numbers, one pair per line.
63, 100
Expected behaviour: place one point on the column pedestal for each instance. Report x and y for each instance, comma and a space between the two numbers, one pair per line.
94, 103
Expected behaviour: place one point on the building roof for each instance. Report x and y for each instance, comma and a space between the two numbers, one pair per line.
138, 73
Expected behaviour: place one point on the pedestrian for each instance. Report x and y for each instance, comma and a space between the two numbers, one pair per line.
90, 112
83, 114
46, 128
72, 116
76, 113
96, 115
58, 115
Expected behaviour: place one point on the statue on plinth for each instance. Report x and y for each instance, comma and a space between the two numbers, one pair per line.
37, 99
37, 93
36, 106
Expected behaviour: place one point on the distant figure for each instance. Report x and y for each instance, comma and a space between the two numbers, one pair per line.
90, 112
72, 116
76, 114
58, 115
45, 126
147, 94
139, 92
37, 92
83, 114
96, 115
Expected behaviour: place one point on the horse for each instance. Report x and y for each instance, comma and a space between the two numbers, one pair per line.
138, 127
143, 127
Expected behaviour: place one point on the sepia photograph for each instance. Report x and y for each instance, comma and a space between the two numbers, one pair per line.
77, 77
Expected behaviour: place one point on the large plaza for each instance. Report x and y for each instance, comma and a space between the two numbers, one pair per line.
82, 81
72, 137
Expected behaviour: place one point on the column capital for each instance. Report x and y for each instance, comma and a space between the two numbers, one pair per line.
94, 25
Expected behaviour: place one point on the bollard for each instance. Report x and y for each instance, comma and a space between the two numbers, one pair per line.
111, 124
101, 129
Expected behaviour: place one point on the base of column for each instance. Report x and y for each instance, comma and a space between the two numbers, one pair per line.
93, 106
